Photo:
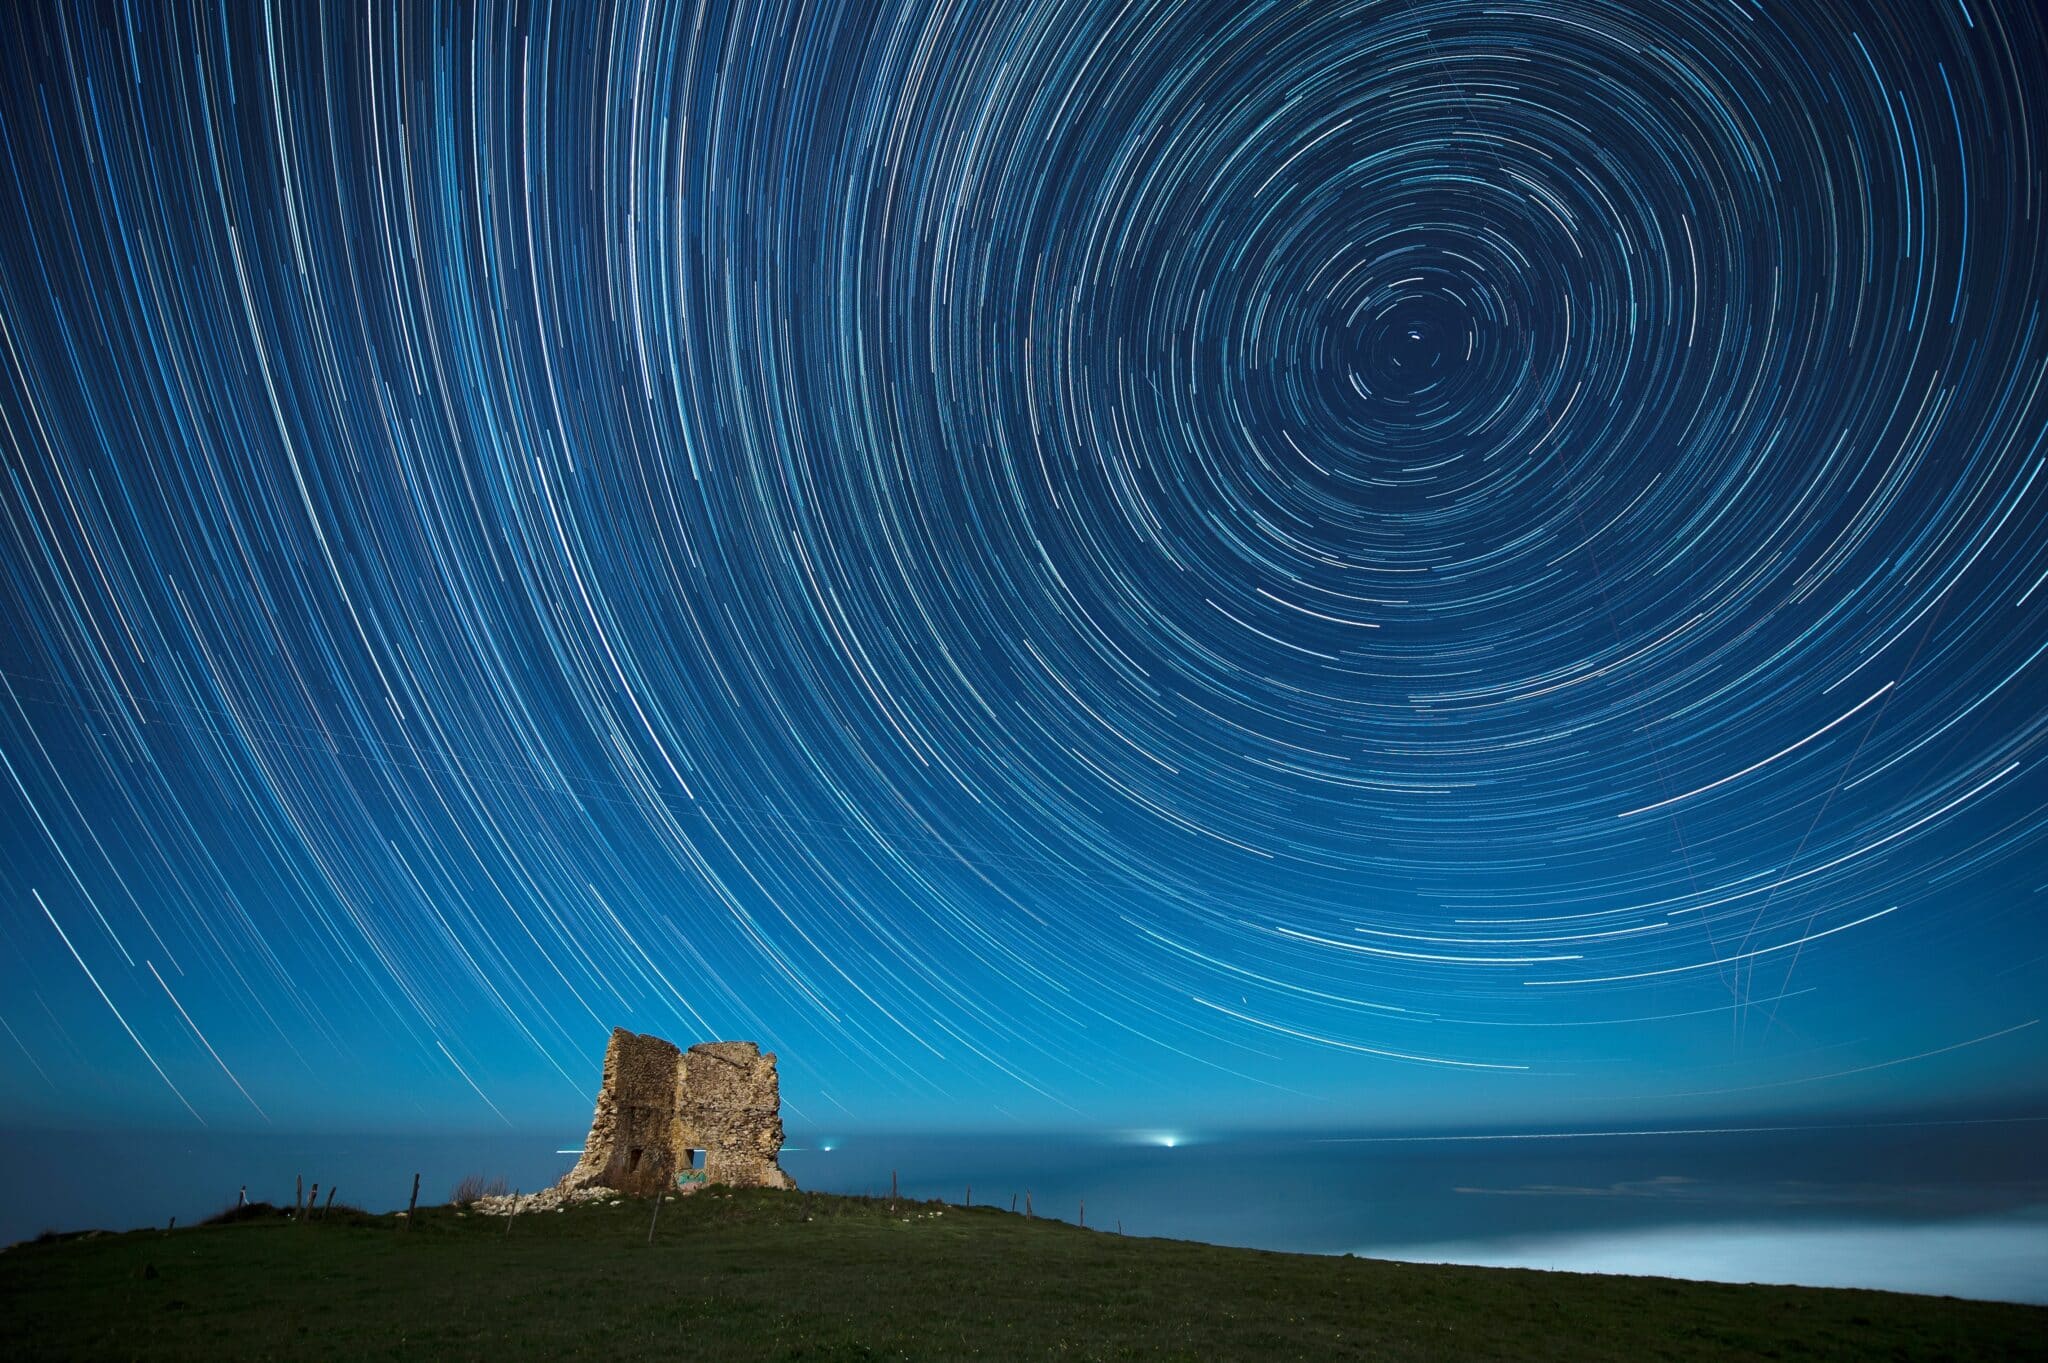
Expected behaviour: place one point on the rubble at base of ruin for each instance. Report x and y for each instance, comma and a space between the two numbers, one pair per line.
661, 1104
546, 1200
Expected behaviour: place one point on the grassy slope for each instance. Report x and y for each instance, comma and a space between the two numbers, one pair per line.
789, 1276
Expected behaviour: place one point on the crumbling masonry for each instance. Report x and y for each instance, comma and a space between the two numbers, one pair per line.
660, 1105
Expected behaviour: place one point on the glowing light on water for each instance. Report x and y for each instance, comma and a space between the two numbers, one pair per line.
1165, 1140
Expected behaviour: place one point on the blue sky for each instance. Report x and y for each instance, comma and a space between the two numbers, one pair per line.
1391, 566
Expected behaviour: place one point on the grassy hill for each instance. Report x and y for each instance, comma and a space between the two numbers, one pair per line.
793, 1276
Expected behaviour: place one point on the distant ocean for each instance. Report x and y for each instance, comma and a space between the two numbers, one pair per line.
1958, 1209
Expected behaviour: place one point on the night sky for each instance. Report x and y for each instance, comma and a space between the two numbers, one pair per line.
1103, 566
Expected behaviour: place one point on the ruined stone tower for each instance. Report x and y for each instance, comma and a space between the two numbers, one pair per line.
660, 1105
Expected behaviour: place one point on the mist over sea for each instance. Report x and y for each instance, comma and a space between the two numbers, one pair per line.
1957, 1208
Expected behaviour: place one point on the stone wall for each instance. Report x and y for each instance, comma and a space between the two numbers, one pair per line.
659, 1104
635, 1143
731, 1109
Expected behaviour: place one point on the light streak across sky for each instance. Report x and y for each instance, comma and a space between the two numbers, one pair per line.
1144, 564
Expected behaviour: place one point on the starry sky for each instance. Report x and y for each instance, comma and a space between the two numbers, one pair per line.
1097, 565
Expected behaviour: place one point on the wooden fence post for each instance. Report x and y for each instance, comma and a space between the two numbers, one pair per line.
330, 1202
970, 1194
299, 1197
1027, 1204
1013, 1204
1084, 1213
652, 1220
412, 1207
512, 1213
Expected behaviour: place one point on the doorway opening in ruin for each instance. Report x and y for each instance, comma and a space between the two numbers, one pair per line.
633, 1160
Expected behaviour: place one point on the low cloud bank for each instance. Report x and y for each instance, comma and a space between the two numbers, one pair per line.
1996, 1259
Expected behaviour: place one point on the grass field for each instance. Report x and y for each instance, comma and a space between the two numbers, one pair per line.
792, 1276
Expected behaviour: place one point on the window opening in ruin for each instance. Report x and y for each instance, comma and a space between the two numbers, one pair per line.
633, 1159
696, 1159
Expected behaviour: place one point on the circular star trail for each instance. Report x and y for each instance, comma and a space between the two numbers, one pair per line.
1039, 557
